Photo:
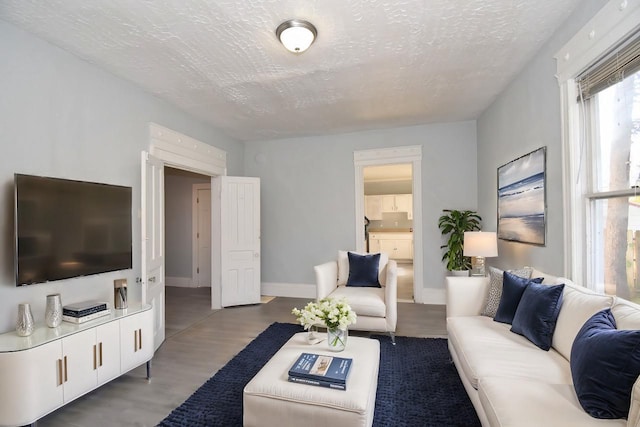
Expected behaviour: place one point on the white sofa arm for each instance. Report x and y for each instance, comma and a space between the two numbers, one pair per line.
391, 295
466, 296
326, 279
633, 420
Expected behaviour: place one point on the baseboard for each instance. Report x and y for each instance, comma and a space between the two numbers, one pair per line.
293, 290
434, 296
180, 282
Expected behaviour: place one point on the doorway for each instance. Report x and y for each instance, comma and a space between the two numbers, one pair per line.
412, 155
187, 248
388, 204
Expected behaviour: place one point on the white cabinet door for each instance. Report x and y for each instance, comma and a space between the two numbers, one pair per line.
374, 245
136, 340
79, 372
389, 203
21, 402
404, 203
107, 351
373, 207
388, 247
404, 249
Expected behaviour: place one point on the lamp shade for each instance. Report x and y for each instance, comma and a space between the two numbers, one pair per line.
295, 35
480, 243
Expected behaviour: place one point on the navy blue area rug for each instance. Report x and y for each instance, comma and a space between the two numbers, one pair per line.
418, 385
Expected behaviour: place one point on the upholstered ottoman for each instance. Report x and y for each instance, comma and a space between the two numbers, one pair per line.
271, 400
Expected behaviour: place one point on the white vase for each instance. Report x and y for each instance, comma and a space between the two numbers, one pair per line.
337, 339
53, 312
24, 323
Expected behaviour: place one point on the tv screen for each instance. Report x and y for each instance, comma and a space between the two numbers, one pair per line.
66, 229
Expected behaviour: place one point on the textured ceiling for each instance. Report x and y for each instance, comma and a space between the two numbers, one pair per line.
375, 64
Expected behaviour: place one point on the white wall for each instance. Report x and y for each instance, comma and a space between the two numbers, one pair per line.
308, 206
63, 117
524, 117
178, 186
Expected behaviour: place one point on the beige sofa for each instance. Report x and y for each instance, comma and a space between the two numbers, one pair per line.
510, 381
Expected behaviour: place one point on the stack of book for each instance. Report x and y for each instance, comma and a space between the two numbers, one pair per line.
321, 370
84, 311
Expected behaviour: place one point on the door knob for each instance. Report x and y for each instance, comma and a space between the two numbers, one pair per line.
152, 279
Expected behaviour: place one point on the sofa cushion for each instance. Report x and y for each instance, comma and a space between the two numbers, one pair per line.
512, 289
513, 402
495, 288
343, 267
605, 363
626, 313
487, 348
364, 301
363, 270
578, 305
537, 314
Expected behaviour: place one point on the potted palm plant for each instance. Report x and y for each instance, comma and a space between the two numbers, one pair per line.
454, 223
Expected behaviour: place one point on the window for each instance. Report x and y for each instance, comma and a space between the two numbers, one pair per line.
609, 105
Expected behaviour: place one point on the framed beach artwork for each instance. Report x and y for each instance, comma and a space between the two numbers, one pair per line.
522, 199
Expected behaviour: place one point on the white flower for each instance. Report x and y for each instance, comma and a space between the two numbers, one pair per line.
333, 313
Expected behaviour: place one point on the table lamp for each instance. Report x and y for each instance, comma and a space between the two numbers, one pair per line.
480, 245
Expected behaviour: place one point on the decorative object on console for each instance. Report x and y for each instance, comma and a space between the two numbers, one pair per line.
495, 288
480, 245
521, 199
296, 35
24, 324
512, 289
53, 311
120, 294
84, 311
335, 314
605, 363
454, 223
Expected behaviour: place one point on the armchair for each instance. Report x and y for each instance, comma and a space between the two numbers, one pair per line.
376, 308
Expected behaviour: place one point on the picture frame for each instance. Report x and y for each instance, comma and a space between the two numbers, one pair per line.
522, 199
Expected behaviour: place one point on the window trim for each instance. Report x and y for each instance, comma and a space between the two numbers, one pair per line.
611, 25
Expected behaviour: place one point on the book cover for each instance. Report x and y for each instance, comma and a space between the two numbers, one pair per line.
319, 383
87, 318
83, 309
322, 368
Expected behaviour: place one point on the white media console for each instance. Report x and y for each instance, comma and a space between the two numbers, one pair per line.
53, 366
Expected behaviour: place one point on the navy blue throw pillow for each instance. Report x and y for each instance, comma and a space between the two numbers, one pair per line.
605, 362
537, 314
512, 289
363, 270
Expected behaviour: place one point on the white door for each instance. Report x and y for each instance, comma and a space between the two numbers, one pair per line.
239, 229
203, 237
152, 218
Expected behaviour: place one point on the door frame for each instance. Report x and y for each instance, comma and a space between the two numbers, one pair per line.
385, 156
183, 152
194, 227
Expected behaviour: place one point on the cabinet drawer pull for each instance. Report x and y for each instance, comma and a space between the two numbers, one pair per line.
100, 346
60, 372
139, 339
95, 362
66, 378
135, 341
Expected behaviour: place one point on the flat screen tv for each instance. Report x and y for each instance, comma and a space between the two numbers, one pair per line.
66, 229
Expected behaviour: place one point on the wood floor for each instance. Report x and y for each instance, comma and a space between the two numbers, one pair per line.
199, 342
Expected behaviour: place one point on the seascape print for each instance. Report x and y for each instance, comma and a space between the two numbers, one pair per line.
521, 199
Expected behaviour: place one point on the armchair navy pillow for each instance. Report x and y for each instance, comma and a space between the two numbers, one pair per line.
512, 289
363, 270
537, 313
605, 363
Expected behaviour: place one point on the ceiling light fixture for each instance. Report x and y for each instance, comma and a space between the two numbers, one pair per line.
296, 35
